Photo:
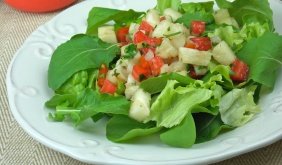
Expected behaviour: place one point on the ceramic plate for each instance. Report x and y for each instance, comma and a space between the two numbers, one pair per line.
28, 91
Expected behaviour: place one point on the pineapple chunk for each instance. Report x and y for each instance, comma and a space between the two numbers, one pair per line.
111, 76
195, 57
153, 17
161, 29
172, 13
178, 41
140, 106
107, 34
223, 54
166, 49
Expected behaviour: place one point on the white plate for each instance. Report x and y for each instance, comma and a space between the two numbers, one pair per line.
28, 91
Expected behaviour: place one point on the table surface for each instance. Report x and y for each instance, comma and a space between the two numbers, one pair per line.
16, 147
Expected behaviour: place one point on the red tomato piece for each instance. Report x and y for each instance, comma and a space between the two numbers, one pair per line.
122, 34
202, 43
138, 72
198, 27
144, 63
146, 27
103, 69
155, 64
145, 50
139, 37
100, 82
108, 87
190, 45
240, 71
154, 41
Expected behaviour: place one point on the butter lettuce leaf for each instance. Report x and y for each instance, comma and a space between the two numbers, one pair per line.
237, 107
247, 11
164, 4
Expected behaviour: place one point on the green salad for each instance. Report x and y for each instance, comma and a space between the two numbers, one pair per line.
183, 71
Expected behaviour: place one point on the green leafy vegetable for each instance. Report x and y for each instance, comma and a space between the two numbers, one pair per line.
89, 103
172, 105
208, 126
164, 4
237, 107
157, 84
247, 11
121, 128
80, 53
99, 16
197, 11
182, 135
263, 55
130, 51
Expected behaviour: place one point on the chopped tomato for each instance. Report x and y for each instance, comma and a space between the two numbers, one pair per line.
103, 69
144, 63
145, 50
139, 37
190, 44
240, 71
198, 27
202, 43
122, 34
139, 73
102, 75
101, 81
145, 26
192, 73
154, 41
155, 64
108, 87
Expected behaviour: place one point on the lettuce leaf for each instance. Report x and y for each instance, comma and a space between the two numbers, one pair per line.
247, 11
164, 4
237, 107
202, 11
263, 55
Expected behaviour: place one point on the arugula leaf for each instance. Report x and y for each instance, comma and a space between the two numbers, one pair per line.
209, 126
237, 107
164, 4
89, 103
202, 11
157, 84
247, 11
79, 53
122, 128
99, 16
263, 55
182, 135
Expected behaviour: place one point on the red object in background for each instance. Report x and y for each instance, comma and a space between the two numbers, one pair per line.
39, 5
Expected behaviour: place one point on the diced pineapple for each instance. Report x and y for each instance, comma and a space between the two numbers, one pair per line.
178, 41
166, 49
133, 28
161, 29
121, 69
111, 76
177, 66
223, 54
130, 91
222, 16
193, 56
176, 29
153, 17
107, 34
140, 106
172, 13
